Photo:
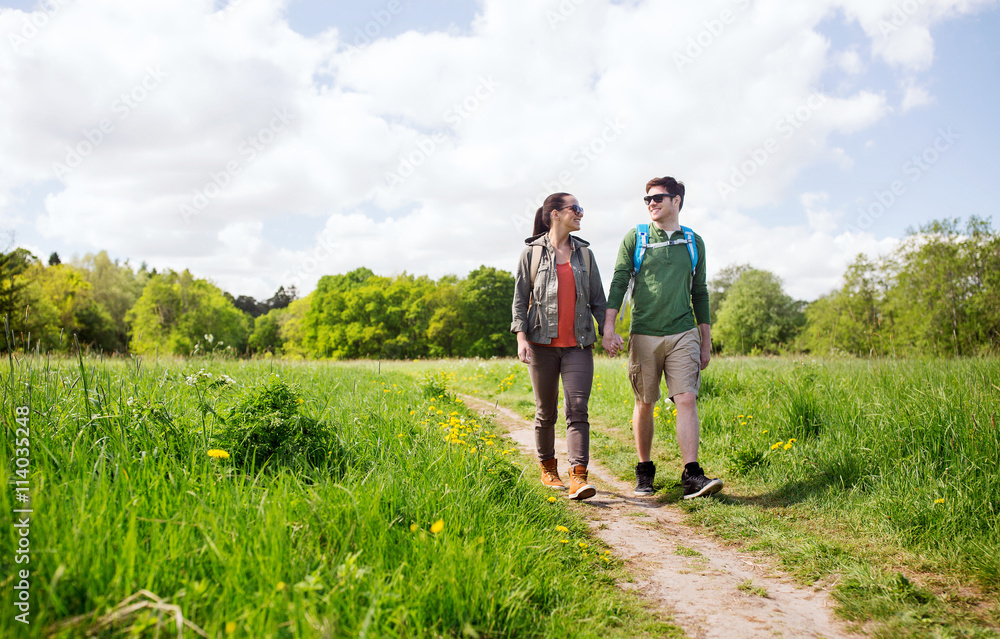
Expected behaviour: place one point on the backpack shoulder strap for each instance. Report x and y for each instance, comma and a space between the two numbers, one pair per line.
536, 259
586, 260
692, 248
641, 240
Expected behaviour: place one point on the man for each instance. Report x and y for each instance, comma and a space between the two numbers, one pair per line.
670, 333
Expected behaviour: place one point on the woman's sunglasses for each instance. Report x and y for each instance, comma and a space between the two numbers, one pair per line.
576, 208
658, 197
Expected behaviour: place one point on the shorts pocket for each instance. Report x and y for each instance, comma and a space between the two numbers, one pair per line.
635, 377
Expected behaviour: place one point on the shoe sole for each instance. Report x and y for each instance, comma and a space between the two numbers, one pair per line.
584, 492
710, 488
640, 493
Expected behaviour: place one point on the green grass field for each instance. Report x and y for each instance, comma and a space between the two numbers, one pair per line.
347, 501
365, 500
878, 477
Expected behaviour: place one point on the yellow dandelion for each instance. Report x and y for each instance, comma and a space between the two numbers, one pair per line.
230, 627
939, 501
583, 545
743, 423
562, 529
792, 440
413, 528
788, 445
607, 552
763, 432
564, 541
437, 526
606, 559
218, 454
777, 445
279, 586
552, 500
585, 554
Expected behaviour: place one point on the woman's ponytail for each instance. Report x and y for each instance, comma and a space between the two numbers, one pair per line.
543, 216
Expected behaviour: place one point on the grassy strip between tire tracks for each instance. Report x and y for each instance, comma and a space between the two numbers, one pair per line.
350, 501
879, 478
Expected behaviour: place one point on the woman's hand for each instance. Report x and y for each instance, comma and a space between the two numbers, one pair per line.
523, 348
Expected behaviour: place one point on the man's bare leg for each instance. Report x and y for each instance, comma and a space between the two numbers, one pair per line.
642, 424
687, 427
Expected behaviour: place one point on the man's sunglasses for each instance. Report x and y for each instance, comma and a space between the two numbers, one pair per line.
658, 197
576, 208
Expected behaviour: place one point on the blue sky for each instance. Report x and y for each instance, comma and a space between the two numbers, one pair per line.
418, 136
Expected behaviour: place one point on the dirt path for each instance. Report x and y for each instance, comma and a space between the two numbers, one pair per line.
699, 587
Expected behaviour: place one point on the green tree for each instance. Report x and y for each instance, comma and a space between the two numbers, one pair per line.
13, 296
266, 335
116, 287
486, 300
718, 286
757, 315
852, 319
182, 315
945, 292
60, 306
291, 327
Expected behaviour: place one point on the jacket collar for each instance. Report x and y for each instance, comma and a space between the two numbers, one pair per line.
543, 240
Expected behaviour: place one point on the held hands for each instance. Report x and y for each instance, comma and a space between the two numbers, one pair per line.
612, 341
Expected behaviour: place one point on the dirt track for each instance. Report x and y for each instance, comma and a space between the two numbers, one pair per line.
699, 590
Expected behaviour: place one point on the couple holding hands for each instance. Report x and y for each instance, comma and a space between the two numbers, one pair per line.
558, 291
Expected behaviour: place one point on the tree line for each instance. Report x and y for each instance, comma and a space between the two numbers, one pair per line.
937, 294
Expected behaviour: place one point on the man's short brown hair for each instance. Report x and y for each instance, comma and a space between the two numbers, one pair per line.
670, 184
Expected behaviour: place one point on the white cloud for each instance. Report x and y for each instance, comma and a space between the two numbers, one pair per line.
850, 62
482, 124
915, 96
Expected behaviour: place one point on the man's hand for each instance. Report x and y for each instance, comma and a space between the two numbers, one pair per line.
523, 348
706, 344
612, 341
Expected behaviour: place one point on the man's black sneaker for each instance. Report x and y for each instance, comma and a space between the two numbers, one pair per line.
644, 473
698, 485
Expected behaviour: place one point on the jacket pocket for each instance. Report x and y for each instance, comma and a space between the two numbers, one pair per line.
534, 323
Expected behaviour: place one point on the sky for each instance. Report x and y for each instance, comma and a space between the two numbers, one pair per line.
261, 143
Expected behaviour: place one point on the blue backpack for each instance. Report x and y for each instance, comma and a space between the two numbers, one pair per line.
642, 243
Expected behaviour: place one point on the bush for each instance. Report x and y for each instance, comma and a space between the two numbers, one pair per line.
264, 427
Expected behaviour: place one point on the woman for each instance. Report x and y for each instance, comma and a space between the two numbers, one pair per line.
557, 295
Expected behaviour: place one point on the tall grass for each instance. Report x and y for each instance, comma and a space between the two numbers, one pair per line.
829, 464
347, 507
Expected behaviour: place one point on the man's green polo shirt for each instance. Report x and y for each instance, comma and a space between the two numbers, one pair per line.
664, 300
